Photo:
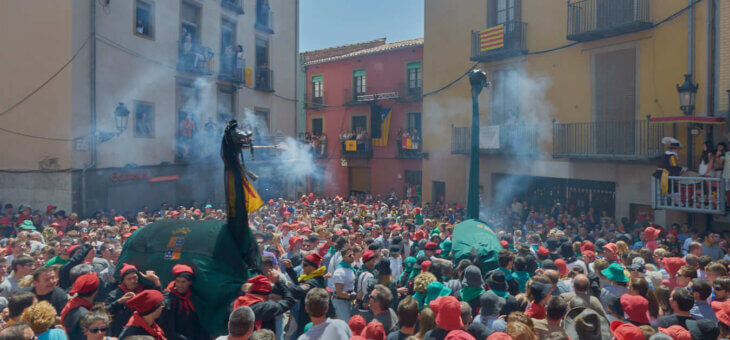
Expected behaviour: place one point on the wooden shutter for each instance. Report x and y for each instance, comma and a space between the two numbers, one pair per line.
615, 85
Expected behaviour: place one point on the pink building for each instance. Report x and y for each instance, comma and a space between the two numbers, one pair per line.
363, 111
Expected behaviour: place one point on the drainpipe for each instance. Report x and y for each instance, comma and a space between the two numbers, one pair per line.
690, 71
711, 48
92, 119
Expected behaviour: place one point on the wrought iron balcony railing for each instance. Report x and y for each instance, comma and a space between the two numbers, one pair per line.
233, 5
625, 140
264, 79
514, 40
597, 19
195, 58
511, 139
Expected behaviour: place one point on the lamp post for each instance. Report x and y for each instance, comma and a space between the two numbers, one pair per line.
687, 94
478, 81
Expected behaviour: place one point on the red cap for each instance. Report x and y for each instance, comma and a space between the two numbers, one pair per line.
651, 233
420, 234
589, 253
197, 212
504, 244
562, 266
118, 219
357, 324
677, 332
126, 235
722, 311
459, 334
672, 264
368, 255
425, 265
271, 201
175, 213
305, 230
260, 284
72, 248
86, 283
133, 228
626, 331
285, 225
611, 248
431, 245
293, 240
50, 207
374, 331
587, 245
315, 259
146, 301
543, 252
181, 269
636, 307
448, 312
499, 336
126, 269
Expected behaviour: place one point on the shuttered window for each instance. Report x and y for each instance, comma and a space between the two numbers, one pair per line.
359, 81
615, 86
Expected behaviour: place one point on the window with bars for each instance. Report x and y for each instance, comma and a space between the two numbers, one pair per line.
415, 78
503, 11
359, 82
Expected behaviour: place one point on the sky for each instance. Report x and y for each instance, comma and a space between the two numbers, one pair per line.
327, 23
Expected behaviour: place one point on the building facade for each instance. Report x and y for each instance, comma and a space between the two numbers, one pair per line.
363, 113
581, 95
177, 70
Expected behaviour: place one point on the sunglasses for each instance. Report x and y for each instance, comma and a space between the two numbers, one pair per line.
718, 288
97, 330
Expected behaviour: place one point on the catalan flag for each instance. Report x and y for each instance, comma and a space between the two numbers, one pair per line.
384, 128
491, 38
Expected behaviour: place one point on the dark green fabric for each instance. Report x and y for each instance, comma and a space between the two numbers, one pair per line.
477, 235
208, 248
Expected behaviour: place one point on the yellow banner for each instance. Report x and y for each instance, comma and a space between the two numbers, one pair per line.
350, 145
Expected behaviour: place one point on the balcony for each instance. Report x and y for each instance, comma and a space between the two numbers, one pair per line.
195, 58
235, 6
264, 79
264, 17
515, 43
232, 69
626, 140
349, 98
597, 19
362, 149
523, 140
690, 194
412, 150
315, 103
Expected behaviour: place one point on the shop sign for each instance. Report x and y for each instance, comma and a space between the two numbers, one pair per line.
131, 176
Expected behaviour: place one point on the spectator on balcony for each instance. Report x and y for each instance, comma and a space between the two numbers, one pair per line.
323, 144
239, 61
262, 75
187, 130
718, 164
707, 160
192, 56
140, 27
229, 57
670, 159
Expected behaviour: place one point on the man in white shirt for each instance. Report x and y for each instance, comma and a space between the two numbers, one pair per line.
316, 305
344, 281
396, 261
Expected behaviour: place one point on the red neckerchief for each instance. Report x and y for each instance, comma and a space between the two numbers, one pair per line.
249, 300
72, 304
186, 303
125, 290
137, 321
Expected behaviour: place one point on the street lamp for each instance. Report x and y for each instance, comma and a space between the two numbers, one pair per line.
478, 81
121, 116
687, 93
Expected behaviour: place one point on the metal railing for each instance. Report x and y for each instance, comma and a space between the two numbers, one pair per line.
629, 140
414, 152
233, 5
349, 97
195, 58
363, 150
515, 43
315, 102
264, 79
690, 194
231, 68
513, 139
596, 19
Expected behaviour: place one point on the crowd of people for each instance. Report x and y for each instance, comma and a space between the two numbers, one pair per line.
373, 268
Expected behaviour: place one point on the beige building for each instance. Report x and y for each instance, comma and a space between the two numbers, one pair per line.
573, 84
179, 68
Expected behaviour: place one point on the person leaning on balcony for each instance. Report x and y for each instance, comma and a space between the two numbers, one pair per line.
670, 163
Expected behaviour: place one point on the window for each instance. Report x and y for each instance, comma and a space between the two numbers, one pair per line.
317, 127
228, 46
317, 89
226, 104
359, 82
415, 78
262, 13
262, 121
414, 122
144, 119
190, 22
359, 123
263, 72
504, 106
614, 82
503, 11
144, 19
187, 118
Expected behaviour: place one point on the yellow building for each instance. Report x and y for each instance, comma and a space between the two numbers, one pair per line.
573, 85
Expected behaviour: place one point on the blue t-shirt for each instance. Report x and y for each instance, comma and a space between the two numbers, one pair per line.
53, 334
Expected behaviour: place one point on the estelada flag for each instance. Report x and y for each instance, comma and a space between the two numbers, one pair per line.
491, 38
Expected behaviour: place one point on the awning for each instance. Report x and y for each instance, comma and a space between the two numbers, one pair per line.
688, 119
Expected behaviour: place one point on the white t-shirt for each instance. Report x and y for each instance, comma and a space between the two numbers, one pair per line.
346, 277
331, 329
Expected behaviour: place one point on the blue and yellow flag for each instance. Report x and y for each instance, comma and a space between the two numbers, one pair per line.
384, 127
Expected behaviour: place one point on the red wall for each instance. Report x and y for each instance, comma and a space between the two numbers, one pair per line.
386, 72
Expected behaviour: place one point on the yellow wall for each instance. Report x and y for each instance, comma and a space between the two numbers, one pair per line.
36, 42
662, 62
